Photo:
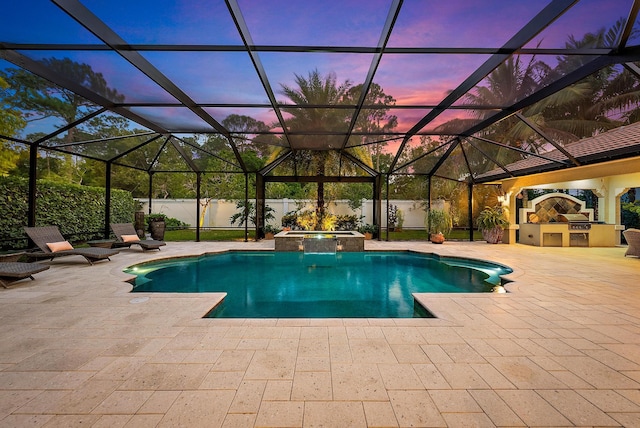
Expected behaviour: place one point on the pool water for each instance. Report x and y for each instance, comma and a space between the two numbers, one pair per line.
263, 284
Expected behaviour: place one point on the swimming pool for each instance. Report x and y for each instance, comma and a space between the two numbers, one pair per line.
265, 284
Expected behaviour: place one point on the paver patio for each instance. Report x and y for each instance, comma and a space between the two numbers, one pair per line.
561, 349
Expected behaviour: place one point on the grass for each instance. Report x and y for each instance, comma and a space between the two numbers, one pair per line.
238, 235
207, 235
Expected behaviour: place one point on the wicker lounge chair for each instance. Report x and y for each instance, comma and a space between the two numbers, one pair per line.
45, 236
15, 271
633, 239
126, 236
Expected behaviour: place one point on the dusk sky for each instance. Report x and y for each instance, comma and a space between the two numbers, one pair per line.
230, 77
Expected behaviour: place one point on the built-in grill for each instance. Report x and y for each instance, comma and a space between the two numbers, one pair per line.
575, 221
560, 220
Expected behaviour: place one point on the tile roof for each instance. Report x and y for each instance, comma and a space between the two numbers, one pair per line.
620, 142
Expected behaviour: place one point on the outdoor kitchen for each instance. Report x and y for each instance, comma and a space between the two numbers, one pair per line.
560, 220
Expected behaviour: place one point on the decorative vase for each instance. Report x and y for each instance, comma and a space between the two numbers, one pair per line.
493, 236
157, 230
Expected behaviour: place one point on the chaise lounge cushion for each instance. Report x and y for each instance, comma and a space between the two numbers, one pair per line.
42, 236
124, 230
59, 246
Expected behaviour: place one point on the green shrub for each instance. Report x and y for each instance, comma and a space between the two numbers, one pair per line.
290, 220
77, 210
439, 221
169, 222
347, 222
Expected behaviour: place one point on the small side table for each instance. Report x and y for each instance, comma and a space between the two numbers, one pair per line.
102, 243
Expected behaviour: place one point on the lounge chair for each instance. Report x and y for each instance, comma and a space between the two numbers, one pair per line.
52, 244
633, 239
126, 236
15, 271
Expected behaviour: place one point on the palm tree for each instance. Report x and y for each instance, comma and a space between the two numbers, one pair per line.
321, 154
316, 90
615, 92
600, 102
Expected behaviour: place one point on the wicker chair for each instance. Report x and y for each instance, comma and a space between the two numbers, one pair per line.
42, 236
124, 230
15, 271
633, 239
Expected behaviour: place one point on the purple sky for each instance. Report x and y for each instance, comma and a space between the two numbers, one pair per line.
229, 77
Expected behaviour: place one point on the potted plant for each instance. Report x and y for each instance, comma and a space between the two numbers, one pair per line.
270, 231
491, 222
368, 230
440, 224
157, 225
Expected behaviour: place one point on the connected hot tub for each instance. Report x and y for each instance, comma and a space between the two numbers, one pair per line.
292, 240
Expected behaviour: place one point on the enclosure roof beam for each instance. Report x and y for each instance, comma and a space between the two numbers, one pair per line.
548, 139
392, 16
519, 150
358, 162
69, 126
39, 69
487, 156
538, 23
243, 30
318, 179
444, 157
273, 165
86, 18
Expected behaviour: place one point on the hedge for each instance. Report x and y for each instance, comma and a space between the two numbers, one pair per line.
77, 210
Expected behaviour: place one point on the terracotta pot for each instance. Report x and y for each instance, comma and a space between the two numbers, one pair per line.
368, 235
437, 238
268, 236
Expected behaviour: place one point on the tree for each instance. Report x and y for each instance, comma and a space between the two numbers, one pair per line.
316, 90
320, 156
243, 128
599, 102
11, 122
38, 99
373, 120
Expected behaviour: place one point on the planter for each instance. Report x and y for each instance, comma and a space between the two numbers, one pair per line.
436, 238
157, 230
268, 235
493, 236
368, 235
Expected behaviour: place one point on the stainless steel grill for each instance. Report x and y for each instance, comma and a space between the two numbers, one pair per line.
576, 221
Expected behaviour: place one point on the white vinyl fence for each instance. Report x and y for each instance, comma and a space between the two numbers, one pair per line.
215, 213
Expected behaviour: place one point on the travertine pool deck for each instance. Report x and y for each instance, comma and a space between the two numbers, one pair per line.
562, 349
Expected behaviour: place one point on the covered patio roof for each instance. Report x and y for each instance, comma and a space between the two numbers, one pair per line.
619, 143
177, 71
